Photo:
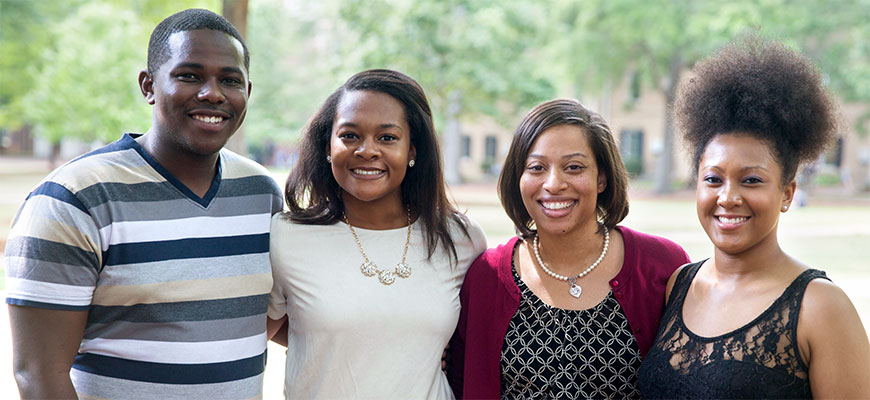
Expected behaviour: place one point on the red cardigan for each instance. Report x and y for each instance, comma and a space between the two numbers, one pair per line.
490, 298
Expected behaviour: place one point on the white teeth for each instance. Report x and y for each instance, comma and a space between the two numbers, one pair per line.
732, 220
210, 120
366, 172
557, 205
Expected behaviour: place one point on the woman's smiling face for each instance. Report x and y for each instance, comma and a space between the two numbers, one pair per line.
740, 192
561, 181
370, 147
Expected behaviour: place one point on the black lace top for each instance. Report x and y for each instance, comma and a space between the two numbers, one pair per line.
553, 353
759, 360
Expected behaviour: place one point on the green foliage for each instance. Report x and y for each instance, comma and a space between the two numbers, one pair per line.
23, 36
292, 69
75, 65
87, 89
70, 67
483, 50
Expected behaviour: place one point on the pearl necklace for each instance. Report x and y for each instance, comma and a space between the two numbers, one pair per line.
370, 269
575, 289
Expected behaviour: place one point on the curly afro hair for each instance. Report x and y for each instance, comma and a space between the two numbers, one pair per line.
762, 89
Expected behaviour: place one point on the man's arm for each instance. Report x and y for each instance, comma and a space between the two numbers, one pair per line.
44, 346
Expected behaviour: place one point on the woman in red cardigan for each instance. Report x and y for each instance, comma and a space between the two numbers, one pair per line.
568, 308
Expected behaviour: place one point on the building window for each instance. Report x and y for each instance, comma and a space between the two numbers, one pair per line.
466, 146
631, 149
834, 156
490, 148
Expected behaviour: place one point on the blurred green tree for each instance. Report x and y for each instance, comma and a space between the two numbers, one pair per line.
23, 37
70, 68
293, 69
599, 43
471, 56
87, 89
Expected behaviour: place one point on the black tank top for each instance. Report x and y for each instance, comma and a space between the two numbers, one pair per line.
759, 360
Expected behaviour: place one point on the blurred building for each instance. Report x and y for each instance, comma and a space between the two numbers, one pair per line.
637, 120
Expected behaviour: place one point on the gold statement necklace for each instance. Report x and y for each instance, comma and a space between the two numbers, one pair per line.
575, 289
368, 268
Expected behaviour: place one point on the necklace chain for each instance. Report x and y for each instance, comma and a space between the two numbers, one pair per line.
369, 268
575, 289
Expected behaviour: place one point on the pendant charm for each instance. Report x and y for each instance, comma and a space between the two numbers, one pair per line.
368, 269
403, 270
575, 290
387, 277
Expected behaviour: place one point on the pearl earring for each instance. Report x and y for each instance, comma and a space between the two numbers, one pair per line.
411, 163
328, 159
784, 207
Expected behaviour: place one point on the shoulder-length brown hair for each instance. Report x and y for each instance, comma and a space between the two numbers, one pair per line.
612, 203
314, 197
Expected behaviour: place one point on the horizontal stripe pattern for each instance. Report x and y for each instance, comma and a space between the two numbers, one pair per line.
182, 291
47, 292
174, 352
196, 268
176, 286
59, 192
182, 249
184, 228
197, 331
184, 374
117, 388
23, 249
178, 208
200, 310
51, 272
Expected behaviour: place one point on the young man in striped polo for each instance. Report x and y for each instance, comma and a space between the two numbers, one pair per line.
141, 269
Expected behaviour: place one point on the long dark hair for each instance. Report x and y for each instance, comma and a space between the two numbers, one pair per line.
314, 197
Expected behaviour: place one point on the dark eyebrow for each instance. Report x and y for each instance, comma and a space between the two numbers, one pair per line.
189, 65
743, 169
231, 70
577, 154
381, 126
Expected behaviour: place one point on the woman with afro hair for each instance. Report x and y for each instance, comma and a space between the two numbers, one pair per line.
753, 322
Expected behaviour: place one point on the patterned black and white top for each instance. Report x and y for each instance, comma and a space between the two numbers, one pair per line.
550, 352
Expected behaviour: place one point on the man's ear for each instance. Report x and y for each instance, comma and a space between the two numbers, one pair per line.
146, 86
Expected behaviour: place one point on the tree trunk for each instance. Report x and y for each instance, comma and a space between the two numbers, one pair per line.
236, 11
451, 138
664, 171
54, 157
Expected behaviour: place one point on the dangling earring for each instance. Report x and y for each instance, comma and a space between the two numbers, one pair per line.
411, 164
328, 159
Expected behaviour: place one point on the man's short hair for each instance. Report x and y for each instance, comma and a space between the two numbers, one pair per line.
183, 21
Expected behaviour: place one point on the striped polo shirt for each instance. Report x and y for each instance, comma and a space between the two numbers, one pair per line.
176, 286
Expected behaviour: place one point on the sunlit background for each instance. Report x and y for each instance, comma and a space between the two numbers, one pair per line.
68, 71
